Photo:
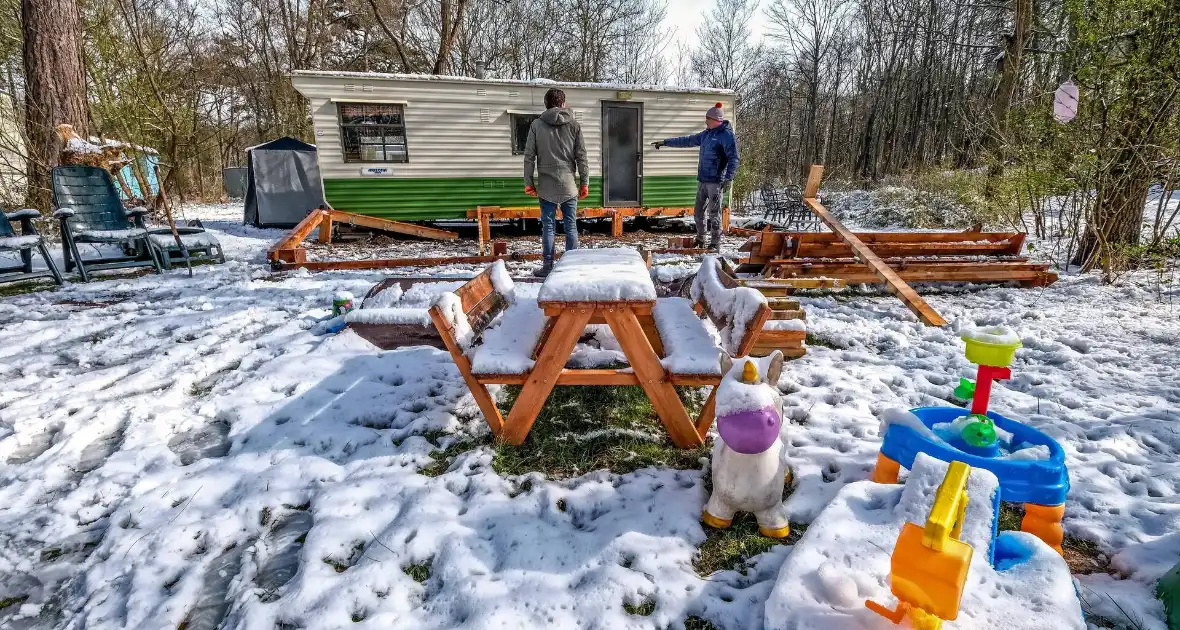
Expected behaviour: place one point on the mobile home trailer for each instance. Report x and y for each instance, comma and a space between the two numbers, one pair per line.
424, 147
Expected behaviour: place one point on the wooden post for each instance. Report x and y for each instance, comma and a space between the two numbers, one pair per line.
485, 226
813, 176
616, 224
725, 219
326, 228
499, 248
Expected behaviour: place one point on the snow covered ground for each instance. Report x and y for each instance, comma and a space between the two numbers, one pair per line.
186, 452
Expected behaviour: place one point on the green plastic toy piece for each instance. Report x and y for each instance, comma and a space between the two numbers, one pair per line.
981, 433
1168, 592
966, 389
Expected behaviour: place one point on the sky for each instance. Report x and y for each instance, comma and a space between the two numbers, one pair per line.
685, 15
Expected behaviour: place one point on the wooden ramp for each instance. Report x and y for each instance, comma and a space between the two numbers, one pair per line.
289, 251
867, 256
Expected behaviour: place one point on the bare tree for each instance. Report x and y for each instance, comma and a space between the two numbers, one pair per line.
725, 57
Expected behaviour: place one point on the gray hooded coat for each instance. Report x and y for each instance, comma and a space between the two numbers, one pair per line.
555, 150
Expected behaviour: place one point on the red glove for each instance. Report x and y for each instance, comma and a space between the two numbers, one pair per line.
530, 191
583, 192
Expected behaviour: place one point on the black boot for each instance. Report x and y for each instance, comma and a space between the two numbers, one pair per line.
698, 242
546, 267
715, 246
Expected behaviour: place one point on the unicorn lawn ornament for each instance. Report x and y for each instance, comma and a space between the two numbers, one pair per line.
748, 468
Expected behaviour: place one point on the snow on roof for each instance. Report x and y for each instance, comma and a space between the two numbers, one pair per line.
383, 76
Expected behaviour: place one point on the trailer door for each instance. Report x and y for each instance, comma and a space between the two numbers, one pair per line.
622, 154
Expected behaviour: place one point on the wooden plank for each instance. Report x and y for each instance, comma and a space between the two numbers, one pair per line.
475, 289
782, 304
326, 229
708, 413
551, 360
753, 331
771, 244
648, 323
385, 263
811, 189
483, 399
554, 309
886, 250
785, 286
575, 377
652, 378
295, 235
896, 285
767, 336
787, 315
385, 225
852, 264
788, 352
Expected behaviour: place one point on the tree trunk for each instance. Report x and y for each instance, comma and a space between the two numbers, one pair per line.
1009, 70
55, 87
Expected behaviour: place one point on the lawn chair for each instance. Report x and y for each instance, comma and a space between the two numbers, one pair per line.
90, 211
24, 242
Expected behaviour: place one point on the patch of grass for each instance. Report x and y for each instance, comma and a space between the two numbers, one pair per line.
643, 609
589, 428
1084, 556
21, 288
696, 623
51, 554
816, 340
419, 572
730, 548
264, 518
442, 459
13, 601
1010, 516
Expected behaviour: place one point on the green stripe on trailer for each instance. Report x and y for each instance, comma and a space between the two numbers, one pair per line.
425, 199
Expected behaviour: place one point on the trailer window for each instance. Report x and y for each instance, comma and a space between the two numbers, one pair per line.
373, 132
520, 131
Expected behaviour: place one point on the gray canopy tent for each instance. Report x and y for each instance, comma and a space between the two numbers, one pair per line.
282, 183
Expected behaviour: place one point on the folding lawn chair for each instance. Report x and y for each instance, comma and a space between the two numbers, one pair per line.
90, 211
24, 243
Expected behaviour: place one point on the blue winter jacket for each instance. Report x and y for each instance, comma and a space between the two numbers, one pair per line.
719, 152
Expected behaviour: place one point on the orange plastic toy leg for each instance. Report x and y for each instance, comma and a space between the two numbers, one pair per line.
1044, 522
895, 615
886, 471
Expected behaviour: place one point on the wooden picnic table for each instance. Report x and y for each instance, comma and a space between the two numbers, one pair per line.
601, 286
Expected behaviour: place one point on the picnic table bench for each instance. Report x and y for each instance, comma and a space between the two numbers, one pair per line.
496, 338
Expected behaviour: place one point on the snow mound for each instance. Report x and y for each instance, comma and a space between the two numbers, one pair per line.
844, 559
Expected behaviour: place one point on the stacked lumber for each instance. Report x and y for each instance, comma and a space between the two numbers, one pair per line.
913, 256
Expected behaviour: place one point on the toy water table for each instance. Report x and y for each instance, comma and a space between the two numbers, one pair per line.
971, 436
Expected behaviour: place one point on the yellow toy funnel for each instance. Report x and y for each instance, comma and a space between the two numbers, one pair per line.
750, 372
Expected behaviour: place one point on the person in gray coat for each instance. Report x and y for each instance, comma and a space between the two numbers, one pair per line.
556, 151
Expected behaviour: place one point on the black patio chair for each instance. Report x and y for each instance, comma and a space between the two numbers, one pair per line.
88, 206
24, 242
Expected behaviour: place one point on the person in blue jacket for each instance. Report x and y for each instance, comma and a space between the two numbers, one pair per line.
715, 170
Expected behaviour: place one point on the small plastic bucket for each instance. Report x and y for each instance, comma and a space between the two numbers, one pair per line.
991, 354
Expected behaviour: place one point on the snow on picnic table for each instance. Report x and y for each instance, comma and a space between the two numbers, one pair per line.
177, 448
599, 275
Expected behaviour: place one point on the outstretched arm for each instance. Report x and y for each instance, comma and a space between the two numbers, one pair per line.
693, 140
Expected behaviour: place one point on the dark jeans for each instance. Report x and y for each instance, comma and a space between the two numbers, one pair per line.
708, 211
569, 220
